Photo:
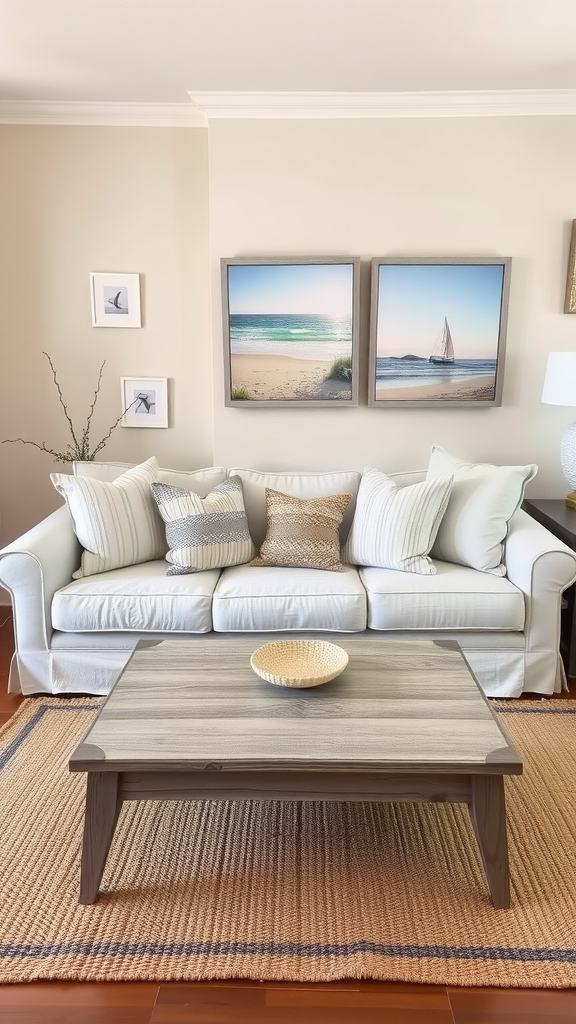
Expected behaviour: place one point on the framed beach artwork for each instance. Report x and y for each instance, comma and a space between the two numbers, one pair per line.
438, 331
115, 300
291, 332
144, 401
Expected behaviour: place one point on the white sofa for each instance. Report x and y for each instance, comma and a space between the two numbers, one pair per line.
76, 635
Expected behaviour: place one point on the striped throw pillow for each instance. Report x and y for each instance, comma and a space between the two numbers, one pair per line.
303, 533
395, 527
116, 522
204, 533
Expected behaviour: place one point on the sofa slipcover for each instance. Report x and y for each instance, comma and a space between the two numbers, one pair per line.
77, 635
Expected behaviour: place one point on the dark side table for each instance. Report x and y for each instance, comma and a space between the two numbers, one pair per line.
560, 519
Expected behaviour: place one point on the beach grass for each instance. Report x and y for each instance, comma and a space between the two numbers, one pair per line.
341, 369
241, 395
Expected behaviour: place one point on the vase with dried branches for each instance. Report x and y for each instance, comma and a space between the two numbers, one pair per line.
80, 448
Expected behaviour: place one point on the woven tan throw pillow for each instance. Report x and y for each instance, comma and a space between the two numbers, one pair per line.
303, 533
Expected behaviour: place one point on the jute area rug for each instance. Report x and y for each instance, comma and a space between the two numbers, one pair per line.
302, 892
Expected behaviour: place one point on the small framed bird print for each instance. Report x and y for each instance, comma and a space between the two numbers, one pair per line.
144, 401
115, 300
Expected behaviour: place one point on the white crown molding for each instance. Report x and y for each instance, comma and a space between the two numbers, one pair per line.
486, 103
156, 115
207, 105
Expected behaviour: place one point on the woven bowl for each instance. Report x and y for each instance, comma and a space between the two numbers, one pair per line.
299, 663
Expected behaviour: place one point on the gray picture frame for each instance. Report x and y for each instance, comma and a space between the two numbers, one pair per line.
570, 295
466, 300
287, 323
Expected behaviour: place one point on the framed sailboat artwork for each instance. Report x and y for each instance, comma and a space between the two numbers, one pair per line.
438, 331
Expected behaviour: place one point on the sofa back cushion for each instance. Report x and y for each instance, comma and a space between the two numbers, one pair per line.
200, 481
299, 485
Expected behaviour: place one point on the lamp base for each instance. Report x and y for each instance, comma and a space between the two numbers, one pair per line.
568, 461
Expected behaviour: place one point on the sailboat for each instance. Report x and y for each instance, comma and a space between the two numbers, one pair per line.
444, 354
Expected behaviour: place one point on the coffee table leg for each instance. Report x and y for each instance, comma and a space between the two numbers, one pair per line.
488, 814
102, 810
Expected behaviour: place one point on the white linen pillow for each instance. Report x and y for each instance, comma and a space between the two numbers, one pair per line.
394, 527
117, 523
482, 502
204, 533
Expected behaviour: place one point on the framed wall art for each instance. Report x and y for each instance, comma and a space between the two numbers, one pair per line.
290, 331
438, 331
570, 297
115, 300
145, 401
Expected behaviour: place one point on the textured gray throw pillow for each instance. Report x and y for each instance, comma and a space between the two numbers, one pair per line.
204, 533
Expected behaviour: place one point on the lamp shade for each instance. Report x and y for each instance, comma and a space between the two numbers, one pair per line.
560, 380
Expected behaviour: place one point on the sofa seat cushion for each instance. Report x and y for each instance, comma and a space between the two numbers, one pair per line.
457, 597
138, 597
251, 598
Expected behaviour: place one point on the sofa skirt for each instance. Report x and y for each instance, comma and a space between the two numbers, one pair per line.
88, 663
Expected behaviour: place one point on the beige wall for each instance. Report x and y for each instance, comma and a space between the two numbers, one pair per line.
477, 186
76, 200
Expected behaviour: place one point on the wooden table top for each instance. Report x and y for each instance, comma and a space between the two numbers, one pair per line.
197, 704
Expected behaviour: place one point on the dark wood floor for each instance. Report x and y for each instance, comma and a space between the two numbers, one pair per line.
241, 1002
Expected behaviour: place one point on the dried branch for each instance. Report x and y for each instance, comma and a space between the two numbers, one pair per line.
86, 431
77, 451
61, 398
59, 456
101, 443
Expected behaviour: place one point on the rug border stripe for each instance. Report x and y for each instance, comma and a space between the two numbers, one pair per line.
503, 953
37, 717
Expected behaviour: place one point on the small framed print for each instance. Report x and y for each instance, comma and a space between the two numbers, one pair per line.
115, 300
144, 401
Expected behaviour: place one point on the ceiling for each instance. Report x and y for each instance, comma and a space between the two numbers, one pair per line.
161, 51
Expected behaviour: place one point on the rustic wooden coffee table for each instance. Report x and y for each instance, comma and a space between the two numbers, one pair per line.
190, 720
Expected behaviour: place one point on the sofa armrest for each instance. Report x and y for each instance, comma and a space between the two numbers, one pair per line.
33, 568
542, 567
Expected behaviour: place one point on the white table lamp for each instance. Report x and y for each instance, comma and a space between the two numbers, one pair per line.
560, 389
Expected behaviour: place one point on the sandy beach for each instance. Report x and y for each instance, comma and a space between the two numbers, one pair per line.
277, 378
477, 389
